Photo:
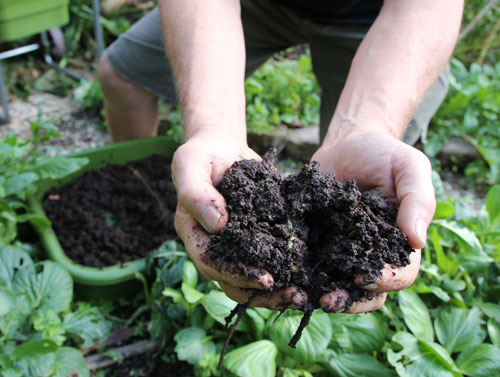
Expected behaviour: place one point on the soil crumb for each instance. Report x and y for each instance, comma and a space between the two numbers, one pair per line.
307, 230
116, 214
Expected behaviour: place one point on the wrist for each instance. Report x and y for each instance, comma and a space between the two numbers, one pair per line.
344, 126
209, 125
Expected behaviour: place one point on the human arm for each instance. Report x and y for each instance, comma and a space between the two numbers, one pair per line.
401, 56
205, 45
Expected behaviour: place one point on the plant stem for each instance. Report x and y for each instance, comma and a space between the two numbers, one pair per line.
487, 44
471, 25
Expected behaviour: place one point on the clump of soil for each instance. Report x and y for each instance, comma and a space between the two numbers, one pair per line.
116, 214
307, 230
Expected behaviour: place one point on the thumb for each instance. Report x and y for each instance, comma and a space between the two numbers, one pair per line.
415, 192
192, 174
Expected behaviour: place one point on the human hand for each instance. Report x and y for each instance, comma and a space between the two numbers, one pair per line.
403, 174
197, 167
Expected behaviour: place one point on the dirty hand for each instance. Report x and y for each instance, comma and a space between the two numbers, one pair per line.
403, 174
197, 167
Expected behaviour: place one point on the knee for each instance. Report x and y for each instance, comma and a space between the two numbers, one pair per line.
106, 74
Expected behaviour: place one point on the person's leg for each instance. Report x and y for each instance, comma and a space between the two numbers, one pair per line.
131, 111
133, 73
268, 29
332, 51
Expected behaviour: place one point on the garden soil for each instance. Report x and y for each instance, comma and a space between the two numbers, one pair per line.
146, 365
116, 214
307, 230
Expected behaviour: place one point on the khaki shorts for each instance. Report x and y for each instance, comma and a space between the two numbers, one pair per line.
139, 56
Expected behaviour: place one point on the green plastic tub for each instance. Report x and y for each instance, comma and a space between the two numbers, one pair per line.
114, 281
22, 18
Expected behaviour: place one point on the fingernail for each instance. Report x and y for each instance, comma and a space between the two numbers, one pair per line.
370, 287
209, 218
421, 230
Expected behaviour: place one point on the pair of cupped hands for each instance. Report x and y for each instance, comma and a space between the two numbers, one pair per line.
374, 160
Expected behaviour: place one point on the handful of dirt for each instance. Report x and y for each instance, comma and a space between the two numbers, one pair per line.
307, 230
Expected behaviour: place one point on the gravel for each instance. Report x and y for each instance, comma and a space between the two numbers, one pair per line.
78, 130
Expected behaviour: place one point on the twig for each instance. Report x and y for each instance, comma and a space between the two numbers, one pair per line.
240, 309
487, 44
116, 337
303, 323
102, 361
476, 20
150, 190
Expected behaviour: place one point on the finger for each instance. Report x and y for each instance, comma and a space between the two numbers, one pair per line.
193, 180
335, 301
196, 241
364, 306
291, 298
415, 192
394, 278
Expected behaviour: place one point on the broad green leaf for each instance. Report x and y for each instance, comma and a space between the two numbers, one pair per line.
11, 260
39, 364
465, 234
314, 339
69, 360
7, 301
454, 285
174, 294
416, 315
422, 358
288, 372
366, 333
439, 293
89, 325
33, 348
458, 329
52, 288
354, 365
264, 313
257, 322
437, 353
59, 167
189, 274
254, 359
17, 183
192, 344
218, 306
482, 360
192, 295
494, 332
493, 206
443, 211
490, 309
445, 264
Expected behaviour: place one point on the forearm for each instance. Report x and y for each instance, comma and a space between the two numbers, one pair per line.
205, 46
397, 62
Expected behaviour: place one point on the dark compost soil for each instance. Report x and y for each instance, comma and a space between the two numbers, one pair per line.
307, 230
116, 214
146, 365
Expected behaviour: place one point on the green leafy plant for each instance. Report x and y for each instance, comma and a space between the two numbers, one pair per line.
471, 110
34, 322
22, 164
282, 92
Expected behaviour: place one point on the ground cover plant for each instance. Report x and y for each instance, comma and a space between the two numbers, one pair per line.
37, 333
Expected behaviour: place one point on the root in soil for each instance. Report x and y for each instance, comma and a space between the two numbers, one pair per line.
307, 230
